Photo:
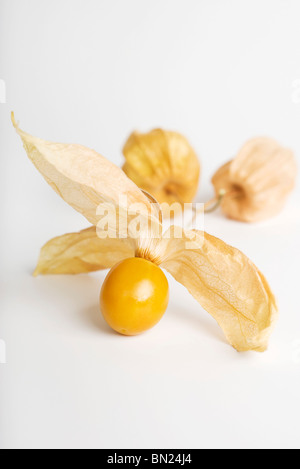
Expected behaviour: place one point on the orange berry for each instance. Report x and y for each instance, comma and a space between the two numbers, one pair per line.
134, 296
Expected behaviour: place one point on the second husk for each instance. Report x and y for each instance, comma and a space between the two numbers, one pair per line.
164, 164
257, 181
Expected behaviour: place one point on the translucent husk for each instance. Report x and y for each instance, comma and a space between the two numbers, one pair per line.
83, 252
222, 279
258, 181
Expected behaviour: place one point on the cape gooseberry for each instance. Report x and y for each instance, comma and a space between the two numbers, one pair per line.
134, 296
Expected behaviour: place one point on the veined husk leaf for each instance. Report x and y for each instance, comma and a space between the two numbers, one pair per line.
226, 284
83, 252
257, 181
93, 185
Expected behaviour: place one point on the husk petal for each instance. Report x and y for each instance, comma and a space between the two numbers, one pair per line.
83, 252
87, 181
226, 284
81, 176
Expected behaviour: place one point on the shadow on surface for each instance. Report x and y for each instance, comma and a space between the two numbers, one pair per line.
92, 316
197, 319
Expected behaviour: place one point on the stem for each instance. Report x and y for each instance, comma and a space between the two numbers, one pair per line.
215, 203
211, 205
156, 203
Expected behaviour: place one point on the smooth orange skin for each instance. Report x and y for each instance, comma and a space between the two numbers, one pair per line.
134, 296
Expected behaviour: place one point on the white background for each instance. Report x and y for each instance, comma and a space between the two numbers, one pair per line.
90, 72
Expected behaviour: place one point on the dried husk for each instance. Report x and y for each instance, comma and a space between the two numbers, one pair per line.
86, 181
226, 284
220, 277
83, 252
164, 164
258, 181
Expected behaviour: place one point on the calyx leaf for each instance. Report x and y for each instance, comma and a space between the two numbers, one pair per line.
226, 284
83, 252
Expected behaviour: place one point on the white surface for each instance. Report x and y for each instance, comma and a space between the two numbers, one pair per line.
90, 72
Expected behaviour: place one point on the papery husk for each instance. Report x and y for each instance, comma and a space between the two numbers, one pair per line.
91, 184
164, 164
83, 252
258, 181
225, 283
